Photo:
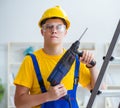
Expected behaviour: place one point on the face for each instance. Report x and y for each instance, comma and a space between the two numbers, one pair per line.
53, 31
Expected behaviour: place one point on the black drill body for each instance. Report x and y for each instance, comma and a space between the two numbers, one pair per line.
64, 64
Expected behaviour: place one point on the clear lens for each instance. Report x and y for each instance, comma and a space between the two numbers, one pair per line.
50, 27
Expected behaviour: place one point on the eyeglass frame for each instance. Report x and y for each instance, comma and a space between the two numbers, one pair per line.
50, 26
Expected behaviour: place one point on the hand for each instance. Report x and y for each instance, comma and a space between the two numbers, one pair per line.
87, 57
56, 92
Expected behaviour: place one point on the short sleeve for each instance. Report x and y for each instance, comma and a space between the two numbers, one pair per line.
24, 76
84, 76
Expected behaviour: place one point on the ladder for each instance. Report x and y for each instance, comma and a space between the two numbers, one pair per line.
104, 66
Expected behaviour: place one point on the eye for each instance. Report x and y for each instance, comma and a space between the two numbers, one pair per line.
61, 27
49, 26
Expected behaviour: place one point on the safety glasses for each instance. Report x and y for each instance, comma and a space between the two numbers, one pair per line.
52, 26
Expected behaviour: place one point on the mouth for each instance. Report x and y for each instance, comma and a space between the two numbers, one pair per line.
53, 37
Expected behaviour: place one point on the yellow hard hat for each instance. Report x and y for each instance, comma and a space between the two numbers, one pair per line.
56, 11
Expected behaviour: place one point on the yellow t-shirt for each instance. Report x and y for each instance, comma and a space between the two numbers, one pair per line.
27, 77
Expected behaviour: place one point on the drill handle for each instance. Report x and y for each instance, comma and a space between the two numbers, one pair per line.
93, 63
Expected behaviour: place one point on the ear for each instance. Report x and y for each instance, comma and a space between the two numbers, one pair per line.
41, 32
65, 32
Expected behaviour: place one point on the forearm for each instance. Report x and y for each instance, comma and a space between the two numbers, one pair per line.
28, 101
24, 100
94, 75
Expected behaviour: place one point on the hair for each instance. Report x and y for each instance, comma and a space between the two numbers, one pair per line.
44, 21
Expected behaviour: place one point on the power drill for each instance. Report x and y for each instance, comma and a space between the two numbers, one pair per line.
65, 63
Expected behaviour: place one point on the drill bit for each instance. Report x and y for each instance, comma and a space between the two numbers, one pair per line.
82, 34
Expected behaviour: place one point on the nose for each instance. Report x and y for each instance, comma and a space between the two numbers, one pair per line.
54, 29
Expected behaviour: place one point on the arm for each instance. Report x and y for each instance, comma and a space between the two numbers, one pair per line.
23, 99
94, 75
86, 59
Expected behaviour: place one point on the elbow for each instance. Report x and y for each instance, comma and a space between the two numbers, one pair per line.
19, 103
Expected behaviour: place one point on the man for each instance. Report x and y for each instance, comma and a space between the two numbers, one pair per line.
54, 25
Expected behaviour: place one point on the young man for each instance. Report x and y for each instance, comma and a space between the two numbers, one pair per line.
54, 25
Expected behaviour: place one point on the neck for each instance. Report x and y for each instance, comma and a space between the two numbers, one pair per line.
53, 50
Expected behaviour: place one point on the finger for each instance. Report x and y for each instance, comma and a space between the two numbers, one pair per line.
57, 87
85, 56
63, 92
90, 58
